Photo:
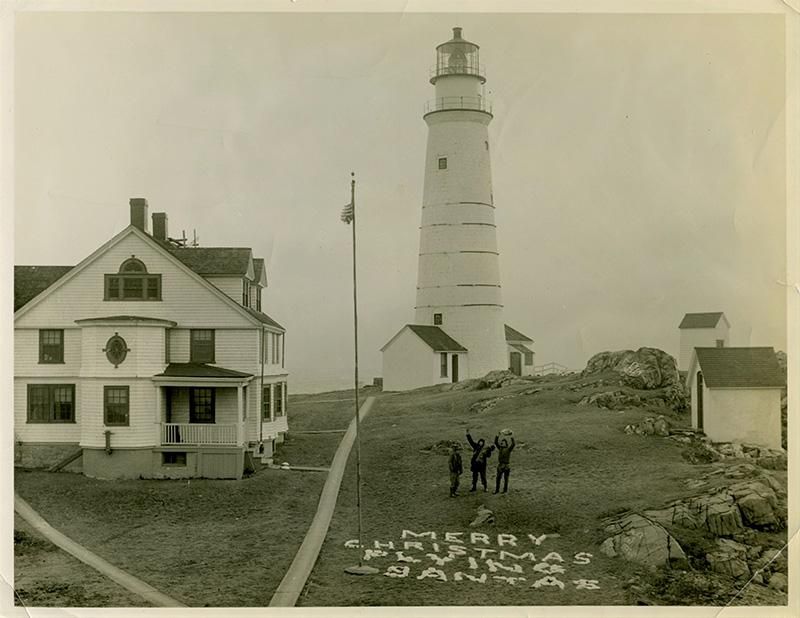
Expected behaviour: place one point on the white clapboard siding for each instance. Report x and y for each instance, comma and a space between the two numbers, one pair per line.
232, 286
184, 299
145, 357
26, 354
44, 432
143, 428
235, 349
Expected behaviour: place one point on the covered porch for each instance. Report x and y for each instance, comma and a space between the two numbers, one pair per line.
201, 405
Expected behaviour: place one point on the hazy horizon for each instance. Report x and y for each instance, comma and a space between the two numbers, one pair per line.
638, 164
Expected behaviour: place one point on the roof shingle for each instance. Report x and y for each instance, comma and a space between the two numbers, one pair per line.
200, 370
700, 320
515, 335
740, 367
215, 260
437, 339
30, 281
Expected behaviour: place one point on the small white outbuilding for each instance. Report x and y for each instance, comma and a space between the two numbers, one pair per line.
736, 394
520, 355
701, 330
421, 355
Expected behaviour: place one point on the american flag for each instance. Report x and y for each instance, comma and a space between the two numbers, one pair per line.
348, 213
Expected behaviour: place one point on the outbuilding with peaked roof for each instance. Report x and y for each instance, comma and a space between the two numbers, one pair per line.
701, 330
736, 394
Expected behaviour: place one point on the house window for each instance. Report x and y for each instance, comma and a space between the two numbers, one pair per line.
443, 365
201, 405
173, 458
279, 401
51, 403
51, 346
528, 359
442, 163
266, 403
437, 319
720, 343
258, 298
202, 346
166, 346
132, 282
246, 292
116, 405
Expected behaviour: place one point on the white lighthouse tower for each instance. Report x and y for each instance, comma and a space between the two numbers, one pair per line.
458, 281
458, 330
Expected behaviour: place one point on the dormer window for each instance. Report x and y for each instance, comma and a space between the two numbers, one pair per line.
246, 292
132, 282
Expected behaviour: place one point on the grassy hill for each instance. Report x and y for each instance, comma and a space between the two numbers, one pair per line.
573, 465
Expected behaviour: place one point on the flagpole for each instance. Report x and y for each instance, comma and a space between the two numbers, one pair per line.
361, 569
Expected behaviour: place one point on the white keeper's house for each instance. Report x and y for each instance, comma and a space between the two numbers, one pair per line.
148, 359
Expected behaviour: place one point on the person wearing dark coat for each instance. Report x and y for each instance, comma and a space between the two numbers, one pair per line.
456, 469
480, 454
503, 462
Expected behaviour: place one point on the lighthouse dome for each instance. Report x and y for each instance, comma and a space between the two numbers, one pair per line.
457, 57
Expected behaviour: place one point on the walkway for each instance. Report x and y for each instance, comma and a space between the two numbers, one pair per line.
294, 581
123, 578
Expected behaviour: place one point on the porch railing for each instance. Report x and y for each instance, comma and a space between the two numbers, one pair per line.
199, 433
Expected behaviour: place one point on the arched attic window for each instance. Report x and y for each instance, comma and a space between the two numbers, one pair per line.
132, 282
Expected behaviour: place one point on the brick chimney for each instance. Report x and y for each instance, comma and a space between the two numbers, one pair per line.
160, 230
139, 213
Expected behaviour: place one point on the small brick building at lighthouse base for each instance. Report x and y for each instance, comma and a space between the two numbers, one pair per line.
458, 331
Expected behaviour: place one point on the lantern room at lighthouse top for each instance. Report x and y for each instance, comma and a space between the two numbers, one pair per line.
457, 57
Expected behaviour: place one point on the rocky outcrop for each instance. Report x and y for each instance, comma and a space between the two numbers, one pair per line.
644, 369
729, 558
612, 400
638, 539
658, 426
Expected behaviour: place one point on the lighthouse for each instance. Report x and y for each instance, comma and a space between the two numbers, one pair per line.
458, 330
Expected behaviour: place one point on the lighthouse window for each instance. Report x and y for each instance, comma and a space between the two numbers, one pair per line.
442, 163
437, 319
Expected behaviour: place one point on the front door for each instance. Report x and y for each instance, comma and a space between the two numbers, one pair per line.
454, 372
699, 400
516, 363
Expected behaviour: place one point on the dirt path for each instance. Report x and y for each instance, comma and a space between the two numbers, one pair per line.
123, 578
295, 579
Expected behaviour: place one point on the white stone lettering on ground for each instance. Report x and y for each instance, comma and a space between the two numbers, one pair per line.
477, 558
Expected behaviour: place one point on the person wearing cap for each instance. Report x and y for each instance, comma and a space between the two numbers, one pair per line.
480, 454
503, 461
456, 468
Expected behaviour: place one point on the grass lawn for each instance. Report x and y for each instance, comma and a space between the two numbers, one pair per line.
46, 576
571, 465
203, 542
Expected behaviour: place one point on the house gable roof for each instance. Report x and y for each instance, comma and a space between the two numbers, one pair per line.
251, 314
702, 320
221, 261
436, 338
515, 335
740, 367
30, 281
521, 348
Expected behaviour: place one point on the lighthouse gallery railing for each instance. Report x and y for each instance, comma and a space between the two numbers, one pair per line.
446, 103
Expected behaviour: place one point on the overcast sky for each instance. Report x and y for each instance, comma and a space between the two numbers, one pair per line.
638, 163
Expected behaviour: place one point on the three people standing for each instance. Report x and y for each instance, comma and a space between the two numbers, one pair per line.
480, 454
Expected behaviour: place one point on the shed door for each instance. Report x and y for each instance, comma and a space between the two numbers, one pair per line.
516, 363
454, 372
699, 400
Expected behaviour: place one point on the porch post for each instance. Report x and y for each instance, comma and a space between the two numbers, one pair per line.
159, 412
240, 408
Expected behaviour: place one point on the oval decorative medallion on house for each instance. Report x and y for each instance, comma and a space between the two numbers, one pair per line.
116, 350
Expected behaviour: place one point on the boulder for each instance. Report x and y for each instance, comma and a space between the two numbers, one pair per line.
661, 426
612, 400
717, 513
646, 368
779, 582
484, 516
639, 539
757, 503
498, 379
729, 558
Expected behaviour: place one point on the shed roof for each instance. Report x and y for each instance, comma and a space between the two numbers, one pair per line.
215, 260
521, 348
514, 335
701, 320
437, 339
30, 281
740, 367
200, 370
